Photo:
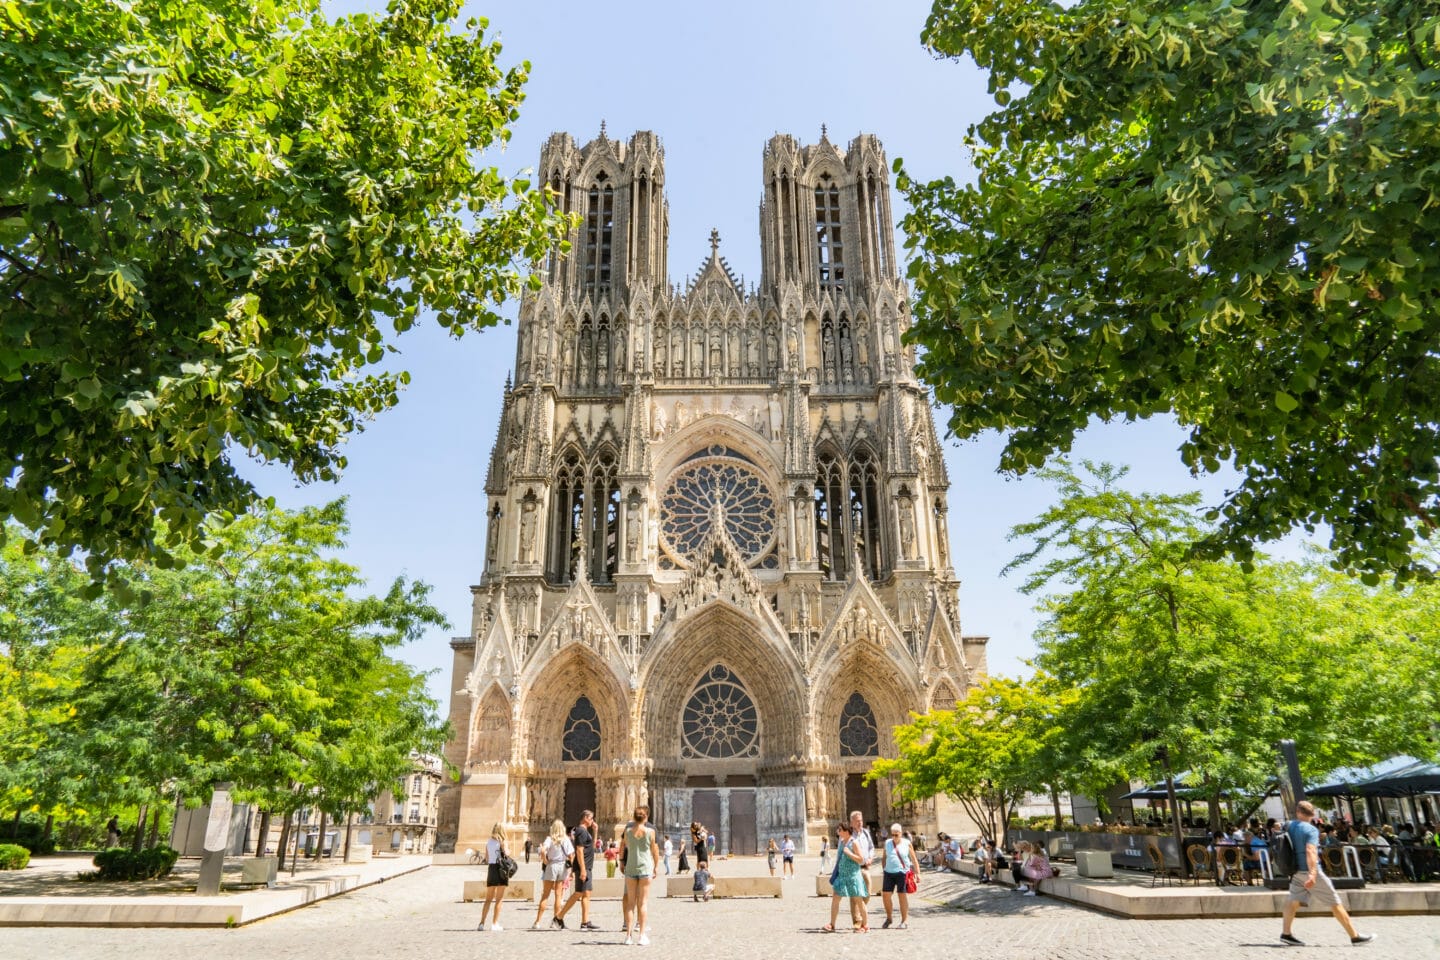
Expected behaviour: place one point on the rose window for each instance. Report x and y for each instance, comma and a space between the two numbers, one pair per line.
720, 721
717, 483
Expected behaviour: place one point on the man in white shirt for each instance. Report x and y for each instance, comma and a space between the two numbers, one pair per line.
665, 854
865, 844
787, 855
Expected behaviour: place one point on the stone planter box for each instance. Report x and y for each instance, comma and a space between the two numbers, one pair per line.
257, 871
518, 890
727, 887
877, 878
1094, 863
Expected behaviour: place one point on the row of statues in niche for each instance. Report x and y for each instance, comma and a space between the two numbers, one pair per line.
595, 355
729, 351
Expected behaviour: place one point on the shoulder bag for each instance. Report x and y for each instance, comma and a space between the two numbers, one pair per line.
508, 866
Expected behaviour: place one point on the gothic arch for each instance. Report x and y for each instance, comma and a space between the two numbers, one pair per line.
943, 696
574, 672
765, 665
885, 686
711, 430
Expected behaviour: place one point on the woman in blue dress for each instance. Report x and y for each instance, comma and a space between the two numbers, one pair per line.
848, 882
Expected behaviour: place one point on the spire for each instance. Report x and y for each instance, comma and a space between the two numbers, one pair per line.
824, 133
602, 129
714, 242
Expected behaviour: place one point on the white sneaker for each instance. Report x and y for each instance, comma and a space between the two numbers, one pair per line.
644, 939
536, 926
496, 928
483, 927
629, 940
1029, 893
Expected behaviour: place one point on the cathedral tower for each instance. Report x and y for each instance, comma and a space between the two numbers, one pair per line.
717, 567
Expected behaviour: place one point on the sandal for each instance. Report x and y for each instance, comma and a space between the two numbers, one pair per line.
828, 928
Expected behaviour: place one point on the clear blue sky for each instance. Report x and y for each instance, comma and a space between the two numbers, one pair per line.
714, 82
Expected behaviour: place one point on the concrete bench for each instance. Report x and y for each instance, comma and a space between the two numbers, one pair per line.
728, 887
1094, 863
518, 890
823, 888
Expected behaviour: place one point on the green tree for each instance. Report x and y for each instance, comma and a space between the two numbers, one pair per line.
1225, 211
214, 218
1203, 662
982, 754
260, 661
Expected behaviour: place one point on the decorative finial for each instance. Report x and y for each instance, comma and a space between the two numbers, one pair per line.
602, 129
714, 241
823, 132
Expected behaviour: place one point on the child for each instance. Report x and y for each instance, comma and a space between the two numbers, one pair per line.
703, 886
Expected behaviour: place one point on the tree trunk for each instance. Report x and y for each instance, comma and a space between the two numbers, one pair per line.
15, 825
349, 823
49, 827
264, 833
320, 838
1059, 817
284, 845
154, 830
1175, 812
139, 837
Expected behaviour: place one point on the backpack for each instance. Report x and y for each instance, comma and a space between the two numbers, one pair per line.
1282, 855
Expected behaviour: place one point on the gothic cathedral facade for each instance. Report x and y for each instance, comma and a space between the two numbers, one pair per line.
717, 568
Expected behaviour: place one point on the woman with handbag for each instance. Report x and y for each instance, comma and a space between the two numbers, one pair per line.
847, 882
901, 871
555, 854
499, 869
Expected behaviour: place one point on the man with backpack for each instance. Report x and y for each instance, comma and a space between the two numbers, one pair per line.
1308, 883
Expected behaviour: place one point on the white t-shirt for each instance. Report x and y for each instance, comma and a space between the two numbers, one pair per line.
557, 852
492, 850
787, 848
863, 844
669, 847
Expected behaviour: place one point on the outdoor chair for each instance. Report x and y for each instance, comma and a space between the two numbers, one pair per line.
1232, 864
1334, 860
1201, 864
1160, 872
1369, 863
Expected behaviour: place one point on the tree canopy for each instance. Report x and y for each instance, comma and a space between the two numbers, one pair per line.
262, 661
214, 218
1224, 211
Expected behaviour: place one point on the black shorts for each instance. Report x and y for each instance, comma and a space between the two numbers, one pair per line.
790, 859
496, 877
893, 883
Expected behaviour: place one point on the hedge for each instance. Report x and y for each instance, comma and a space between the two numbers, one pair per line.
119, 863
13, 857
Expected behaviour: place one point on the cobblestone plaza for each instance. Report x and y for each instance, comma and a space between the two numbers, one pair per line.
952, 917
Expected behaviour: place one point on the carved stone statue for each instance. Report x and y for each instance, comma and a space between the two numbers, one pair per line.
907, 528
658, 423
803, 524
632, 532
527, 530
752, 356
792, 348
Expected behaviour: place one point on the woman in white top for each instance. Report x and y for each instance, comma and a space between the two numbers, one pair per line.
495, 879
555, 854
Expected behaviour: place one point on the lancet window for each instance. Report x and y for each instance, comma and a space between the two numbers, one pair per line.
599, 234
829, 244
848, 516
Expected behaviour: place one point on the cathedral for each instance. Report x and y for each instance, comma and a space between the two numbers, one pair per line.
717, 569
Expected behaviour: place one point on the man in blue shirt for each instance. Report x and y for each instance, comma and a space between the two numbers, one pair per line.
1308, 883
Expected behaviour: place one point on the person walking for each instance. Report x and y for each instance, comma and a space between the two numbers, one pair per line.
112, 833
612, 859
642, 855
899, 861
666, 854
848, 882
824, 853
702, 849
864, 844
556, 852
1309, 884
584, 873
684, 865
495, 880
528, 848
772, 855
787, 856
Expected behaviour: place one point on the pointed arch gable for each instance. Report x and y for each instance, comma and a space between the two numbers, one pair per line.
490, 731
551, 693
764, 662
